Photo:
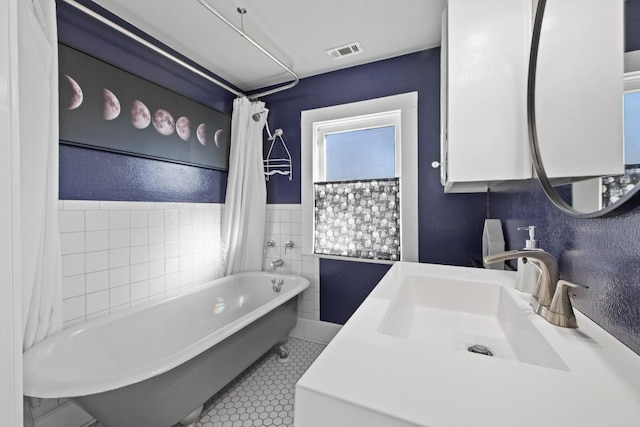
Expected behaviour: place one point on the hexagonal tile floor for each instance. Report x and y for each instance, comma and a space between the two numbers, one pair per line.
263, 395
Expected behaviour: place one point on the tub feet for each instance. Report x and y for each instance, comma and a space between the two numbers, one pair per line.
282, 352
191, 419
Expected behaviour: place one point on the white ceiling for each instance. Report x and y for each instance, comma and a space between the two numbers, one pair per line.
297, 32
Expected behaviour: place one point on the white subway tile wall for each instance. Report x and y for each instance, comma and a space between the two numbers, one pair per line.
284, 224
117, 254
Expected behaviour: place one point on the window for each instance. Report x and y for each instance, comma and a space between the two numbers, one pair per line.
356, 191
359, 173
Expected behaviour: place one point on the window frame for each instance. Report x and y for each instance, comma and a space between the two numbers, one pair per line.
352, 124
342, 117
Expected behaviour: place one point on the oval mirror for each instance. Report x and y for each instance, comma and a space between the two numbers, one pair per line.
584, 106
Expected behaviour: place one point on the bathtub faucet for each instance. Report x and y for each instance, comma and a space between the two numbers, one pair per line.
277, 263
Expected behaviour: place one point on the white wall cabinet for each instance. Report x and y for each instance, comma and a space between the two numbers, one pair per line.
484, 60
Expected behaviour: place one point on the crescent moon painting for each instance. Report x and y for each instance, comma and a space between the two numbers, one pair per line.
163, 122
140, 114
103, 107
216, 137
183, 128
111, 105
76, 94
201, 133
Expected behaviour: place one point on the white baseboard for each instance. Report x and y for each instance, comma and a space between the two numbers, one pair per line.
66, 415
315, 330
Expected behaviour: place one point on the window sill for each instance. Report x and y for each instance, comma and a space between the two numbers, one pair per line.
346, 258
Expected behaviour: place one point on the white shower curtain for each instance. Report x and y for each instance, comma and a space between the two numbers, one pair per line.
246, 201
38, 86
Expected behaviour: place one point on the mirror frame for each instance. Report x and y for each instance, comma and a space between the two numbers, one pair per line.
629, 201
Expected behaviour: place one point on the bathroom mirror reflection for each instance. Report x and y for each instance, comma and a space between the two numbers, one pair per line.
586, 105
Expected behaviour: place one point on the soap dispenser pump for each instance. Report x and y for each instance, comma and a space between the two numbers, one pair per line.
527, 276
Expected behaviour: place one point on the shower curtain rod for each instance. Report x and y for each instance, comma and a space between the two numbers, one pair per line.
182, 63
291, 84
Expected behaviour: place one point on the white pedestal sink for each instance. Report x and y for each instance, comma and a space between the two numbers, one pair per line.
403, 360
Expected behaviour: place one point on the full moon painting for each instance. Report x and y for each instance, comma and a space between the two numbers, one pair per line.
103, 107
183, 128
140, 115
163, 122
111, 105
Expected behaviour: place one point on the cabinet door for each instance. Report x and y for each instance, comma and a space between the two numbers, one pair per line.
486, 53
579, 88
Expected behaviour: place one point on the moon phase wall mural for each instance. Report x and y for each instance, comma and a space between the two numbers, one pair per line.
107, 108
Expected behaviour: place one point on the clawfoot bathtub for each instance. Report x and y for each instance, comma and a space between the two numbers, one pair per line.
156, 364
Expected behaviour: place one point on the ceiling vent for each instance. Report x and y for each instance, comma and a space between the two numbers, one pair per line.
346, 50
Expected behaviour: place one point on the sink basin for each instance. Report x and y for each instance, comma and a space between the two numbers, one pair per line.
402, 361
459, 314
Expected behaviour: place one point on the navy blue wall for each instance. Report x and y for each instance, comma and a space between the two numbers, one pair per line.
344, 285
603, 254
97, 175
632, 25
450, 226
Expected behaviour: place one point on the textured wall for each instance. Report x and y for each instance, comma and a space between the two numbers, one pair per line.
97, 175
603, 254
344, 285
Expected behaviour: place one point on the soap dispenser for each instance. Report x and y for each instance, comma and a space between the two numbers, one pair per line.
527, 276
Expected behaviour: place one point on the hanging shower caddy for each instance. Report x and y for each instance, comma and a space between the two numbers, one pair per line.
280, 166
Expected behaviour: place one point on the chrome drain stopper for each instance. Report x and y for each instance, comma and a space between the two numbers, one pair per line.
480, 349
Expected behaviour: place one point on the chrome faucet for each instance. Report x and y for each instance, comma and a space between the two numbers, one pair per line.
276, 263
560, 313
551, 297
547, 280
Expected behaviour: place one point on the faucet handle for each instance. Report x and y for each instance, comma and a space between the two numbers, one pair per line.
270, 244
561, 310
288, 245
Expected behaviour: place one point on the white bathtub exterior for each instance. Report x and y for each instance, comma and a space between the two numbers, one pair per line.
146, 341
